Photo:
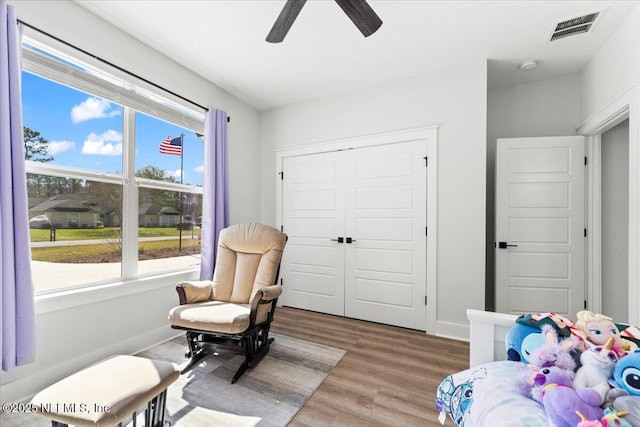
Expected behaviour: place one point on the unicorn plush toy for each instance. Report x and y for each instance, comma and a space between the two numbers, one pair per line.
597, 367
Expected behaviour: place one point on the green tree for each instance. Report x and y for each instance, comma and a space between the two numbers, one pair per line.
163, 198
154, 172
36, 147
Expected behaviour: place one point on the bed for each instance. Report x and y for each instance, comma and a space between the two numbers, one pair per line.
486, 394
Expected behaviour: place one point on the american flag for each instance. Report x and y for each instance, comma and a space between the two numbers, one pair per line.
171, 145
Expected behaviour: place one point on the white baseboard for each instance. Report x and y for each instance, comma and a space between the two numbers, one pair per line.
456, 331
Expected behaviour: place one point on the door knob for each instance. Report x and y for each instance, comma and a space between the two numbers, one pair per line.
505, 245
350, 240
339, 240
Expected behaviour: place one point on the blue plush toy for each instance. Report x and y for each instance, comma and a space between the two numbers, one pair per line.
521, 340
626, 374
625, 394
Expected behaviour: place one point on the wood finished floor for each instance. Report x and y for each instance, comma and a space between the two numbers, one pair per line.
388, 377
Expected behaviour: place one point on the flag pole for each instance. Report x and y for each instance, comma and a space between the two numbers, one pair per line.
181, 175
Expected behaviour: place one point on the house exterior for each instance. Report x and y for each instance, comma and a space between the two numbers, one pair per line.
153, 215
67, 213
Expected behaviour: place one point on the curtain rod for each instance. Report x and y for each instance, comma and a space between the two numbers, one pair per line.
111, 64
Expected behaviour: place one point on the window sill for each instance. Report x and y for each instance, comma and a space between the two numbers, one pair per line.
69, 298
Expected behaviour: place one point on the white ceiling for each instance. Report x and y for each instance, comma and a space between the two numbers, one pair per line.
324, 54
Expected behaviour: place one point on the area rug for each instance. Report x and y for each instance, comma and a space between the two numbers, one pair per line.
270, 394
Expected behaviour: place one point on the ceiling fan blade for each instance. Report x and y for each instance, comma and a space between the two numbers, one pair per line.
362, 15
285, 20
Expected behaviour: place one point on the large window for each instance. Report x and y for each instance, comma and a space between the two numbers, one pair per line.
106, 202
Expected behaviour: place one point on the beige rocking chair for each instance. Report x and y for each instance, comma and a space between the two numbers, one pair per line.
235, 309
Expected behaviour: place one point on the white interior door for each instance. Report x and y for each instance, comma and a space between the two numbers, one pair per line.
540, 225
385, 272
356, 221
313, 217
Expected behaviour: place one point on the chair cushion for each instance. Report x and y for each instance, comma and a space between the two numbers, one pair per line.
226, 318
247, 260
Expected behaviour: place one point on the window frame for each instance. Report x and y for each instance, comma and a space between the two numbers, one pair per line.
134, 96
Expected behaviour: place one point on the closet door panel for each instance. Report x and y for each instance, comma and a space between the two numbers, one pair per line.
313, 217
385, 267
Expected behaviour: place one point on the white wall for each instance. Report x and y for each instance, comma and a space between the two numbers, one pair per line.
610, 82
614, 69
456, 102
615, 221
92, 325
549, 107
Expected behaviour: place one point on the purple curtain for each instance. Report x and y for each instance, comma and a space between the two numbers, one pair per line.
215, 200
17, 304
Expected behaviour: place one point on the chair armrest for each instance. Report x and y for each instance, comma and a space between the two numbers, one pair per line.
194, 291
264, 295
269, 293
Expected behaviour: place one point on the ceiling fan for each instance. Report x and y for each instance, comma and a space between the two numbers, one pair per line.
358, 11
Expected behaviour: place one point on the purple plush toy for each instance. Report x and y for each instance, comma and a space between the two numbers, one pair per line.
561, 401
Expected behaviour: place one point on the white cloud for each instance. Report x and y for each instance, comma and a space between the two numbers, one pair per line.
108, 143
176, 174
92, 108
199, 169
56, 147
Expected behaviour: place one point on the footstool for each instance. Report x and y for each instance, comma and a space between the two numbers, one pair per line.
108, 392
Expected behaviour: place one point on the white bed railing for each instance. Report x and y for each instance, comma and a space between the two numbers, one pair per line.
487, 335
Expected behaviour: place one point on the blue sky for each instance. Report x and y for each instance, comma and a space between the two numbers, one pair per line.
86, 132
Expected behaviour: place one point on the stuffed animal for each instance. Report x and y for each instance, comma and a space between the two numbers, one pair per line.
625, 394
521, 340
626, 374
614, 418
587, 423
598, 328
560, 401
597, 367
554, 352
630, 405
611, 418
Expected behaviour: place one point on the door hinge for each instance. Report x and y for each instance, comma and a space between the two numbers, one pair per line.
425, 300
282, 228
281, 175
585, 304
585, 232
585, 160
426, 231
426, 161
281, 281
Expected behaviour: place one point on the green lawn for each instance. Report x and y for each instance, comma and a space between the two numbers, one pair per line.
62, 234
111, 252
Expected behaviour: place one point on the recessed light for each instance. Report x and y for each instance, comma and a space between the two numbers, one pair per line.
528, 65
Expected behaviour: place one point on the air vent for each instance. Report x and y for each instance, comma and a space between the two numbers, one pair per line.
574, 26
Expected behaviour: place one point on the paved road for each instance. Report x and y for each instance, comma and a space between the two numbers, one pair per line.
185, 236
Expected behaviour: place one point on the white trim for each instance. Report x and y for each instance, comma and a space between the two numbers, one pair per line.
71, 172
407, 135
165, 185
626, 105
129, 223
428, 134
594, 224
93, 293
106, 82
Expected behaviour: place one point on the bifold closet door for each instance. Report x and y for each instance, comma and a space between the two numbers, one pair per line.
313, 218
356, 221
385, 270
